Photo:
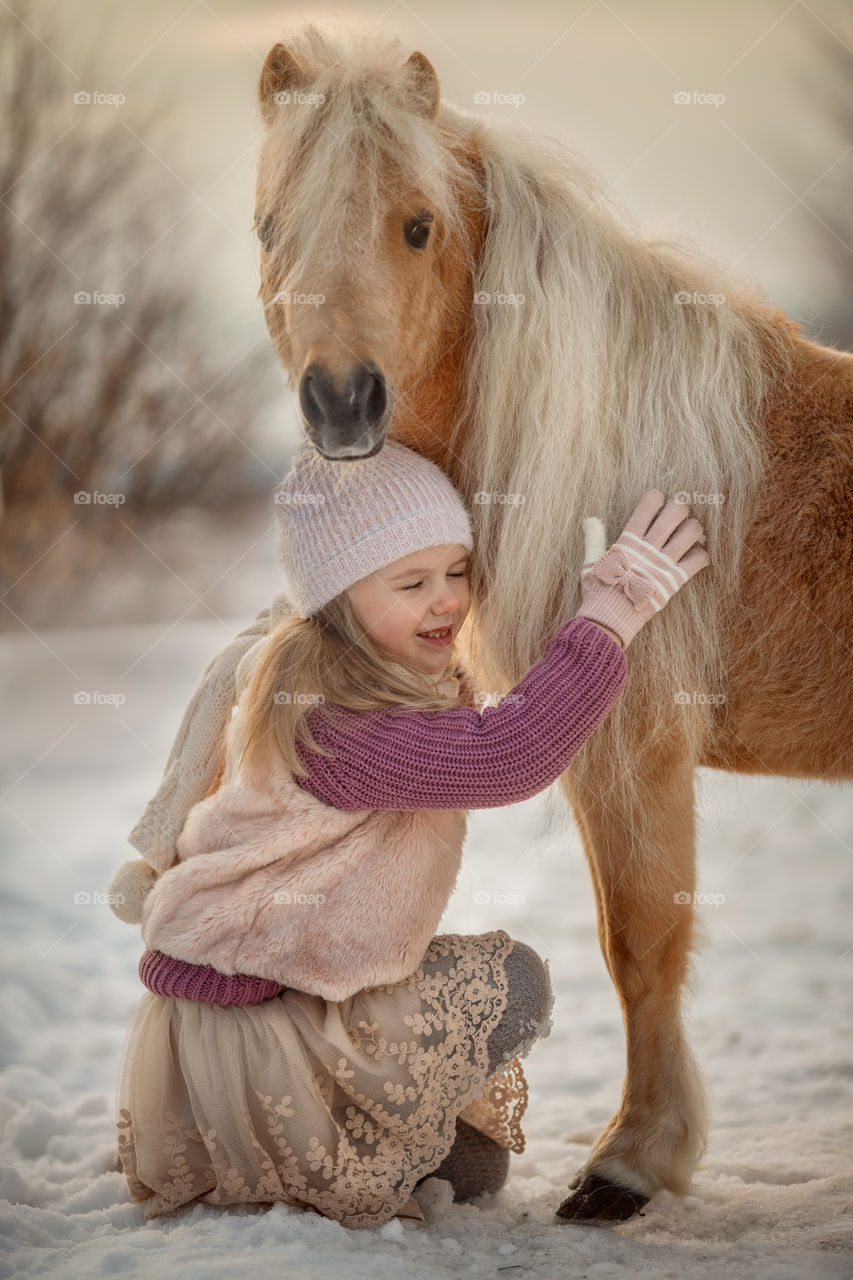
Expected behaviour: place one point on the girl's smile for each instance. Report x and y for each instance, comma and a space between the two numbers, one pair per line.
444, 637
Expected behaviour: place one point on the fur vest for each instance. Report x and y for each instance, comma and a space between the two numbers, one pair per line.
271, 881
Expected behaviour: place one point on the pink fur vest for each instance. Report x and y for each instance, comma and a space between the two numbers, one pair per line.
272, 882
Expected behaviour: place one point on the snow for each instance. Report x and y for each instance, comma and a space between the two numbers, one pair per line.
769, 1016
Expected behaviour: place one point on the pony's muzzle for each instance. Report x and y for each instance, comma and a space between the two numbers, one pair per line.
346, 419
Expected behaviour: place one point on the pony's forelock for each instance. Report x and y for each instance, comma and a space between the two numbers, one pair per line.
323, 174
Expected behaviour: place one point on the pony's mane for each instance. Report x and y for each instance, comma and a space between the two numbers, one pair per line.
596, 387
599, 386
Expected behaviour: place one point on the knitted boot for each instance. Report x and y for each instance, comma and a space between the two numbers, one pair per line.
473, 1165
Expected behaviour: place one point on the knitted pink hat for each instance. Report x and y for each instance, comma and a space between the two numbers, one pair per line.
340, 521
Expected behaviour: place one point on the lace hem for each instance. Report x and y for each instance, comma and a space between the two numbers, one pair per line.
498, 1113
372, 1112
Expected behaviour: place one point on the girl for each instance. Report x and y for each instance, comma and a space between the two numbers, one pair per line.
306, 1037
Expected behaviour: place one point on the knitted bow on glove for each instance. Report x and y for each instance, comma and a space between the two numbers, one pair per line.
653, 557
614, 568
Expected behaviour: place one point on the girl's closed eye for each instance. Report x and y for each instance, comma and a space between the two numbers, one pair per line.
411, 587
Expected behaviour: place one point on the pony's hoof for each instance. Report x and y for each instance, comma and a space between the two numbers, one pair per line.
598, 1199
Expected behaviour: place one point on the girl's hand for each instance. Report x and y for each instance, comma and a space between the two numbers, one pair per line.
654, 556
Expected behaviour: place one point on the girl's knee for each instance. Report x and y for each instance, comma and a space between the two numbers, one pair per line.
528, 1005
529, 981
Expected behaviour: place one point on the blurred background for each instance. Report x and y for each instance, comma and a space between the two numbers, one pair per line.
135, 363
134, 360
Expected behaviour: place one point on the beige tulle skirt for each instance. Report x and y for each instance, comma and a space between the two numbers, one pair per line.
340, 1107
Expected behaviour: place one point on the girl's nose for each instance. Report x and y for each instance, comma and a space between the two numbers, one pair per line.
447, 602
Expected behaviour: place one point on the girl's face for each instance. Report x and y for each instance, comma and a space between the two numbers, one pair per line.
426, 591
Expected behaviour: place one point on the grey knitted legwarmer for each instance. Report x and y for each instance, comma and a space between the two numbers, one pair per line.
476, 1163
528, 1006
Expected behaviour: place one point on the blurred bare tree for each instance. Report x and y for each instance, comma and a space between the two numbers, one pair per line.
832, 201
101, 397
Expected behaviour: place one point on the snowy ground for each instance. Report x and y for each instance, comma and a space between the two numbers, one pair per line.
770, 1020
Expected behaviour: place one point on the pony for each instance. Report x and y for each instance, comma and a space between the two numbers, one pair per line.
471, 290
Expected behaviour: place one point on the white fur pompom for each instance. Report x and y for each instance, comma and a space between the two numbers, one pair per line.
129, 888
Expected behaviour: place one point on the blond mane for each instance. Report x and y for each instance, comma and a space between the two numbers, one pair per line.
594, 388
599, 386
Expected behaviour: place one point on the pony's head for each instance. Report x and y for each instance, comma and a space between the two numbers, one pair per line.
359, 216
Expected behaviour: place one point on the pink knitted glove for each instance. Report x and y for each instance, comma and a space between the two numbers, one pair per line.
643, 569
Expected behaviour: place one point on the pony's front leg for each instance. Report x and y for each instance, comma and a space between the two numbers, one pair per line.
642, 858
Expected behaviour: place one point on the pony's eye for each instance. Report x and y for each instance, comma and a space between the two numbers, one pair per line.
417, 230
266, 230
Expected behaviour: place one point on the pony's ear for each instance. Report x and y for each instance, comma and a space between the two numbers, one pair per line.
421, 84
281, 73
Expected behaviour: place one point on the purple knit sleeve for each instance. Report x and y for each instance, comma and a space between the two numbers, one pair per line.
460, 758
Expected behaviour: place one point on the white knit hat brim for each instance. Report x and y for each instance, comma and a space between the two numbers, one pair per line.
439, 527
338, 526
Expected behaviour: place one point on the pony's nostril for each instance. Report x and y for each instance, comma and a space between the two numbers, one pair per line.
375, 399
309, 401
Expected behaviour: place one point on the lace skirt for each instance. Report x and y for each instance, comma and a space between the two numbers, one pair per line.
340, 1107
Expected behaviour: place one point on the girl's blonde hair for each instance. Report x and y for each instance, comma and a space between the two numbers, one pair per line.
331, 658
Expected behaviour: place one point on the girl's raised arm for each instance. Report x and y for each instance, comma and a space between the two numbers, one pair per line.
459, 758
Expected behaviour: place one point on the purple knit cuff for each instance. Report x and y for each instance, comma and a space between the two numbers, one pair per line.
166, 976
